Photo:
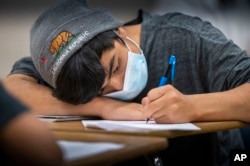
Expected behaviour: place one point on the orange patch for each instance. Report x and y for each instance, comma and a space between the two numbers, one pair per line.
58, 42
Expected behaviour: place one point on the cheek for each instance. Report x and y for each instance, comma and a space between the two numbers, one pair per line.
124, 60
123, 71
123, 67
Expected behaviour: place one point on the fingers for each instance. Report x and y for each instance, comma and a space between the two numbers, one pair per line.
155, 100
152, 109
162, 119
164, 105
145, 101
156, 93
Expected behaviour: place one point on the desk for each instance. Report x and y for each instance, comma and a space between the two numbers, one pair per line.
75, 130
134, 146
206, 127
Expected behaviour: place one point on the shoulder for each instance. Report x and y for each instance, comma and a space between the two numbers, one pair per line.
182, 23
25, 66
177, 20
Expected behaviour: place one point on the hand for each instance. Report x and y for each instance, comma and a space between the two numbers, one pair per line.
167, 105
124, 111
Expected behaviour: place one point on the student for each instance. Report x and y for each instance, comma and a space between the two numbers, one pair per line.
89, 63
24, 140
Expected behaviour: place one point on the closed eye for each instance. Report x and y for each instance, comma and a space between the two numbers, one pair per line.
116, 69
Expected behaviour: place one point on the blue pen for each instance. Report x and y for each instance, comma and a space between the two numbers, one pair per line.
171, 67
165, 79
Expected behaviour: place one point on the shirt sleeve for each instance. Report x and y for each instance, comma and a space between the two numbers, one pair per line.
10, 107
25, 66
224, 63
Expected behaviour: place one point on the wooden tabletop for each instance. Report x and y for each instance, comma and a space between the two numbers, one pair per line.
206, 127
136, 143
134, 146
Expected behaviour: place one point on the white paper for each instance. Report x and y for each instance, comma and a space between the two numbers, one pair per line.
136, 125
73, 150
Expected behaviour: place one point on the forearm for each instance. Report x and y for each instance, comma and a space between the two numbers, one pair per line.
229, 105
39, 98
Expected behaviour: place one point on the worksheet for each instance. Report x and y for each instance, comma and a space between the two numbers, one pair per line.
136, 125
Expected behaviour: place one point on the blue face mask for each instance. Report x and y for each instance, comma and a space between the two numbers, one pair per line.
136, 76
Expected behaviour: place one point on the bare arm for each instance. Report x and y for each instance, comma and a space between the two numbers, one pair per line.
40, 99
29, 142
168, 105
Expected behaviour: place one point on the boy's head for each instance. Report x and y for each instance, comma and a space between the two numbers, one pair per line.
83, 53
83, 75
61, 31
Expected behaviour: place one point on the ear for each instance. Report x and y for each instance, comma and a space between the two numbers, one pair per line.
121, 32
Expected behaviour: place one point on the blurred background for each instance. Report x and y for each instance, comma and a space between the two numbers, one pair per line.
231, 16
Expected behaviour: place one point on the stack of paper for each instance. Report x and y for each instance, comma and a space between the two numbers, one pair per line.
59, 118
136, 125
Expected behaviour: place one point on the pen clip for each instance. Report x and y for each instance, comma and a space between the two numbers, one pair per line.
172, 62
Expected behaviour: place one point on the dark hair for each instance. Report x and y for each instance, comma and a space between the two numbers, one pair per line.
82, 76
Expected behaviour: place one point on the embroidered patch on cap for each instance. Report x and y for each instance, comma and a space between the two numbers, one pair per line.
58, 42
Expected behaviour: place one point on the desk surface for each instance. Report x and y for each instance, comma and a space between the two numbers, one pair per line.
206, 127
134, 146
136, 143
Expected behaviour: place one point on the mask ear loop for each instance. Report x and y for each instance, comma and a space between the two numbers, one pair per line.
124, 41
134, 43
129, 40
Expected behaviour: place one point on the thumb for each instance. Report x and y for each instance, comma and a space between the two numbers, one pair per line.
156, 93
145, 101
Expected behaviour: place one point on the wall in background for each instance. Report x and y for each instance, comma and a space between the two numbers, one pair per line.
16, 19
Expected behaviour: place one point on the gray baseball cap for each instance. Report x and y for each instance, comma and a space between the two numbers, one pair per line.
61, 30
